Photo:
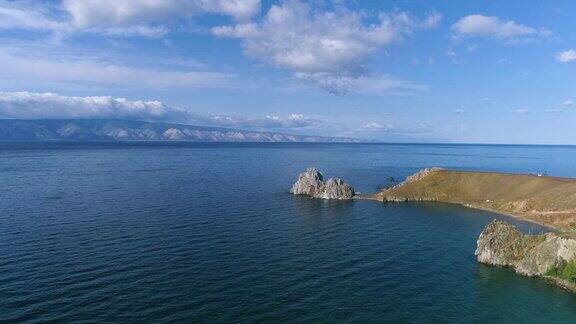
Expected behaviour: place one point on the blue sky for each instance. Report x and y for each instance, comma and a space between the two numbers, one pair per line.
398, 71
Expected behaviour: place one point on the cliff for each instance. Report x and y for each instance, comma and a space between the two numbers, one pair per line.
311, 183
552, 255
549, 201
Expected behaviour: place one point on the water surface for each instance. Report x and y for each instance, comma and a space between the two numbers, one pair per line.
132, 232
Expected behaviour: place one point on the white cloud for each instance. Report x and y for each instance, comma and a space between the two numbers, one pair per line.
51, 105
494, 27
328, 48
342, 83
459, 111
135, 15
568, 103
148, 18
373, 126
261, 123
123, 13
238, 9
18, 67
566, 56
29, 105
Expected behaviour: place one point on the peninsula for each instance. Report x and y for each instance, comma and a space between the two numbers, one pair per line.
549, 201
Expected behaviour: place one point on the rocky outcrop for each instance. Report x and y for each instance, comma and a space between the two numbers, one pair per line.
419, 175
544, 255
503, 244
389, 194
311, 183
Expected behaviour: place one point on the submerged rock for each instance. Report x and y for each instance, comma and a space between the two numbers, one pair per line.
533, 255
311, 183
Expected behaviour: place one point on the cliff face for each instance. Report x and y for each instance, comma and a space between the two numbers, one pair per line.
549, 255
311, 183
545, 200
503, 244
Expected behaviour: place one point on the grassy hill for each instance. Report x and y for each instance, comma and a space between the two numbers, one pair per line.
549, 201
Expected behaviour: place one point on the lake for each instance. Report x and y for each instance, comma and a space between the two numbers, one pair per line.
208, 233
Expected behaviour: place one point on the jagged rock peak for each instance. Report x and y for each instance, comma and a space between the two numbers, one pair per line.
311, 183
422, 173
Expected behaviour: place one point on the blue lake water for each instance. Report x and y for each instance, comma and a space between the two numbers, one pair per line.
119, 232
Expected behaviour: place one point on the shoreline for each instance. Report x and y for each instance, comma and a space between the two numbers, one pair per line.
546, 201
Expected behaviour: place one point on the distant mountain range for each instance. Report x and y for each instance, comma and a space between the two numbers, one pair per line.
125, 130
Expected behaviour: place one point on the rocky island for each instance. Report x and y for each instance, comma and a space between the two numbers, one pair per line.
311, 183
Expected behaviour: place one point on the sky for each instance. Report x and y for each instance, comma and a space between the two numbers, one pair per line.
476, 71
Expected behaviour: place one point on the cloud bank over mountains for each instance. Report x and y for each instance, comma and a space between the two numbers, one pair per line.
27, 105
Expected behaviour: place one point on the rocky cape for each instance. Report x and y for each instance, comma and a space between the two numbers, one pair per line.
545, 200
549, 201
551, 255
311, 183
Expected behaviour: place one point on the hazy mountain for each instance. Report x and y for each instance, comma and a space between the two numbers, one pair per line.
125, 130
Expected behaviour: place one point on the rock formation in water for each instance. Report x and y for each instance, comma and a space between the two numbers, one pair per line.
550, 255
311, 183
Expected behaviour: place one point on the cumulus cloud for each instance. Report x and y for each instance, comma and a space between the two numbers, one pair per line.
459, 111
149, 18
15, 65
496, 28
29, 105
568, 103
51, 105
328, 48
265, 123
566, 56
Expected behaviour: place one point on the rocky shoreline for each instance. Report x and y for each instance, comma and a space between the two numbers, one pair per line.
551, 255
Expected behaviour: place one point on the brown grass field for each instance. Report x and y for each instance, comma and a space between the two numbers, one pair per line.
549, 201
